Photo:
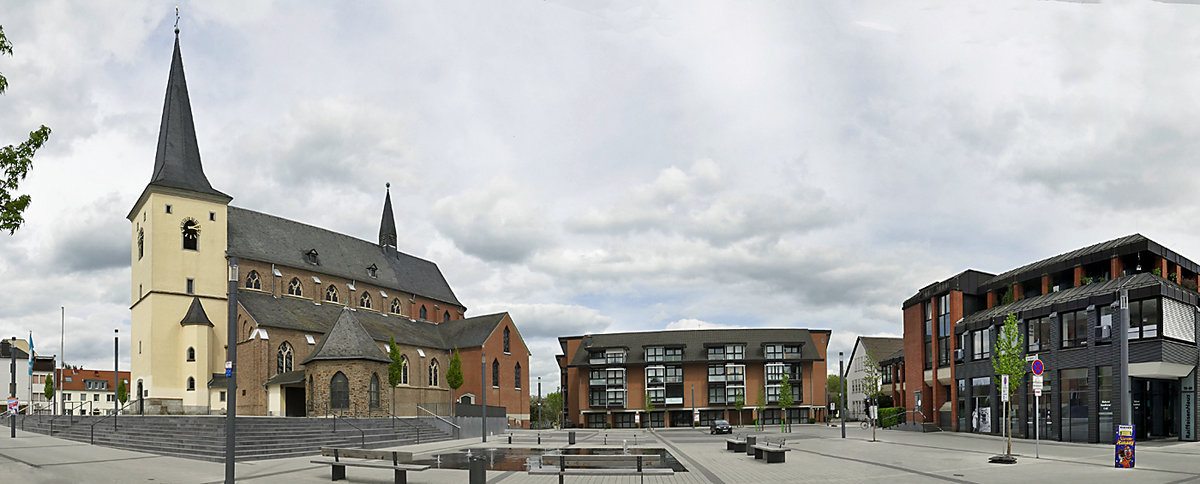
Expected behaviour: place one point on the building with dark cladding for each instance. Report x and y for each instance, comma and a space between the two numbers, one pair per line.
1067, 307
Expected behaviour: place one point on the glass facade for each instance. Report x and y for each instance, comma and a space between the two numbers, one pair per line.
1074, 396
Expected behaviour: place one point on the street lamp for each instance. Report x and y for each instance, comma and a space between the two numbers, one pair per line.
483, 391
116, 377
539, 402
693, 405
842, 394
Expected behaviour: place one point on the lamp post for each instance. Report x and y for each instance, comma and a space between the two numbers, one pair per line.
842, 394
539, 402
231, 373
12, 386
116, 377
483, 391
693, 405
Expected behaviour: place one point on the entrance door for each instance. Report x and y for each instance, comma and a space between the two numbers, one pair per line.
293, 401
1155, 405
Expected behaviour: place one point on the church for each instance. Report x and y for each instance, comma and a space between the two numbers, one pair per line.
316, 310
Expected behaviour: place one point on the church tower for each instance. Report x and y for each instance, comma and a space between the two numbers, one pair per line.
178, 287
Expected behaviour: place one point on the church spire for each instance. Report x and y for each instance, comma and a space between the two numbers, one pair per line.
387, 226
177, 161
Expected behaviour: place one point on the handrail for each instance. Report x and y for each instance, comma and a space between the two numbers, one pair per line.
410, 424
439, 417
114, 417
360, 430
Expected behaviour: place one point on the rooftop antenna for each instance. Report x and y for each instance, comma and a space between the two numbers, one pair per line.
177, 20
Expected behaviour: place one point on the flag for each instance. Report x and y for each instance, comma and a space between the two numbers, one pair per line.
30, 340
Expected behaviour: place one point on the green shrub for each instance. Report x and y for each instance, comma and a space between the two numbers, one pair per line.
891, 416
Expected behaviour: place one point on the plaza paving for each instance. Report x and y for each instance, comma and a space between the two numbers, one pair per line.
819, 454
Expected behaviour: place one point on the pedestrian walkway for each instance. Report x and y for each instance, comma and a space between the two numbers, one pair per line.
819, 454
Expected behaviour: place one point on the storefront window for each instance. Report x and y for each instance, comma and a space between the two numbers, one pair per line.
1104, 383
981, 408
1074, 398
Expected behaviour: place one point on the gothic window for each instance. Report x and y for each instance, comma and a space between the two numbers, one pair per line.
283, 358
191, 354
403, 370
191, 384
373, 391
433, 373
365, 300
141, 242
495, 373
331, 294
506, 340
295, 288
339, 391
446, 317
396, 306
424, 313
191, 234
252, 281
517, 376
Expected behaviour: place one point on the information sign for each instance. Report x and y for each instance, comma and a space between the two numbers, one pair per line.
13, 403
1125, 443
696, 416
637, 419
1004, 385
1037, 392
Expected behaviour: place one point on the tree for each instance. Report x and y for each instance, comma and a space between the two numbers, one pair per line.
739, 403
454, 374
48, 390
122, 392
760, 405
395, 370
1009, 359
870, 384
647, 407
785, 401
16, 161
551, 405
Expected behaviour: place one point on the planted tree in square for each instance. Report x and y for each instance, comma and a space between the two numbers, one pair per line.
395, 370
760, 405
739, 403
454, 375
1009, 359
785, 402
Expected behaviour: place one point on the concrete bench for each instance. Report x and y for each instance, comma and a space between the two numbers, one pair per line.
736, 445
770, 454
599, 465
369, 458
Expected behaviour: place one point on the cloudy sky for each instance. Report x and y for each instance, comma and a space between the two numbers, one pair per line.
616, 166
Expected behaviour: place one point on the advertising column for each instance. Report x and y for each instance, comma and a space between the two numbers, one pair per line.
1125, 443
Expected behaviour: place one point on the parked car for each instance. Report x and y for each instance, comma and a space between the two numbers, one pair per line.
720, 427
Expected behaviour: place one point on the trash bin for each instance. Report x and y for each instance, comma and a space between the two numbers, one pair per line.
478, 470
750, 441
571, 437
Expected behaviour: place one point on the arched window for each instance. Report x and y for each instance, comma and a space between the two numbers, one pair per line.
365, 300
517, 376
252, 281
373, 391
295, 288
191, 234
446, 317
395, 306
283, 358
433, 373
331, 294
495, 373
191, 354
191, 385
403, 370
339, 391
506, 339
424, 313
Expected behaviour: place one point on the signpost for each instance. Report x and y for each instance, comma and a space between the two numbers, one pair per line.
1038, 369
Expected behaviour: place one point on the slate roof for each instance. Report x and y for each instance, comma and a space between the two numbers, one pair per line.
285, 378
177, 161
218, 380
694, 341
470, 332
880, 348
1079, 295
348, 340
387, 225
267, 238
895, 357
195, 315
7, 351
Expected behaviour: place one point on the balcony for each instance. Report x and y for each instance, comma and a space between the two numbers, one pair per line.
716, 378
735, 379
598, 382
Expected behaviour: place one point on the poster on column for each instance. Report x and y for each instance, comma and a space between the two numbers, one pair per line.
1187, 408
1125, 442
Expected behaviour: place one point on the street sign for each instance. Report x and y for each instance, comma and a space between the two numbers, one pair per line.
1031, 357
637, 419
1038, 367
13, 403
696, 416
1004, 384
1037, 382
1037, 392
228, 368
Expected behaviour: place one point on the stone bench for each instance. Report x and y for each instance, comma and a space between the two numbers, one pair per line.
376, 459
736, 445
770, 454
599, 465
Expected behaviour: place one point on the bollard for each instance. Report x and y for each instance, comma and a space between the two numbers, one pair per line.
571, 437
539, 438
750, 441
510, 438
605, 439
478, 472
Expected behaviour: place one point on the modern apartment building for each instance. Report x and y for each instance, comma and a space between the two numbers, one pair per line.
1067, 307
607, 378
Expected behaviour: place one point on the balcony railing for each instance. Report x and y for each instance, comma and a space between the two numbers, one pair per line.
716, 378
598, 382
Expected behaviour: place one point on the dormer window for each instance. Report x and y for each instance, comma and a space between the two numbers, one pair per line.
372, 271
191, 234
311, 256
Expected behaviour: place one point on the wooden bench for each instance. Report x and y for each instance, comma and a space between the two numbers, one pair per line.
368, 458
769, 454
599, 465
736, 445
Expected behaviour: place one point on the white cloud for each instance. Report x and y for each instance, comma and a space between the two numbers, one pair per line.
686, 324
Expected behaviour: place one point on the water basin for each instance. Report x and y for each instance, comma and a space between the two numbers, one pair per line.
514, 459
